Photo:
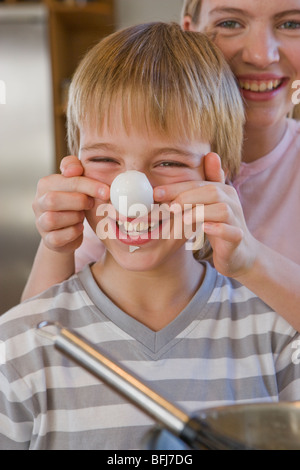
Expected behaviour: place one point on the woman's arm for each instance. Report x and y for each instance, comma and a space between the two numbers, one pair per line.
236, 253
49, 268
59, 207
276, 280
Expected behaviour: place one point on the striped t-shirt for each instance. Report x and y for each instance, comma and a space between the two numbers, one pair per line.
225, 347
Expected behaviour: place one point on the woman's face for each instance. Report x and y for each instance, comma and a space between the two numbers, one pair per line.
261, 42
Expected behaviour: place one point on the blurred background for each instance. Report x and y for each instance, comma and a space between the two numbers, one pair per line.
40, 44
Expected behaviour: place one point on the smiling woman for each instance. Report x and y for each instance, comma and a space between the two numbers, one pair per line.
261, 43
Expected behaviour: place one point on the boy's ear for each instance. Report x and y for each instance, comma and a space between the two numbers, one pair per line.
187, 24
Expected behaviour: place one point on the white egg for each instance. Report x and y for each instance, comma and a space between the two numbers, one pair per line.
131, 194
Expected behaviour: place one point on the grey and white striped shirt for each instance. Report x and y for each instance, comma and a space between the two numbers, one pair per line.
225, 347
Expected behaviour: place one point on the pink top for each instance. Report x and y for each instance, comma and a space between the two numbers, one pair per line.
269, 190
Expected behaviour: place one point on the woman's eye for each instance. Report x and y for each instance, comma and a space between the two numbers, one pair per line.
290, 25
229, 24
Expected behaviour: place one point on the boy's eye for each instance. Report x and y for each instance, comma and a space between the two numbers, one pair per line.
103, 160
171, 164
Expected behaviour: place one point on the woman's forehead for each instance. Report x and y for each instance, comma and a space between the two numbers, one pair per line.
257, 6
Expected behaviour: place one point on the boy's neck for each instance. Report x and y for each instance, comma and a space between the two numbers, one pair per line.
152, 298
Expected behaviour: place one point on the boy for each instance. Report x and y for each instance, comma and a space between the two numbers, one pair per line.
155, 99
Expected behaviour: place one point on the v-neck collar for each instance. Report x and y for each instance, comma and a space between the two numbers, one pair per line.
155, 341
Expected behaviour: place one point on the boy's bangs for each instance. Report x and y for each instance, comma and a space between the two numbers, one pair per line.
148, 110
160, 79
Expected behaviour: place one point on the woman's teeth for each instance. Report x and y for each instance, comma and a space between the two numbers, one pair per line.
136, 228
260, 86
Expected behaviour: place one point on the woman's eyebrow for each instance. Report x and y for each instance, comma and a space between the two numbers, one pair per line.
295, 11
230, 10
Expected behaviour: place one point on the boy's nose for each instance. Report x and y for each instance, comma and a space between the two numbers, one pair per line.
139, 166
261, 48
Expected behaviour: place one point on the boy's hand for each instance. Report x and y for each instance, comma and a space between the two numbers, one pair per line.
60, 203
234, 248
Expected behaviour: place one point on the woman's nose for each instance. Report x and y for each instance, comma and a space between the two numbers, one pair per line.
261, 49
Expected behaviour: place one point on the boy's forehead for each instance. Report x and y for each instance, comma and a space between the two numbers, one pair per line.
119, 139
108, 137
115, 129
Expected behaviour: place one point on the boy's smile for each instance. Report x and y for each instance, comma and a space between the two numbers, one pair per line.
164, 161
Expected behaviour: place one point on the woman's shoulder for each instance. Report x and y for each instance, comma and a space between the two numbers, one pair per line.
294, 128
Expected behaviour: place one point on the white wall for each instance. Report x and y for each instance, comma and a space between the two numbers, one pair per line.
26, 127
26, 141
129, 12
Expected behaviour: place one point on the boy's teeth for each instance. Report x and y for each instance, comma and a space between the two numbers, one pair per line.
136, 227
260, 86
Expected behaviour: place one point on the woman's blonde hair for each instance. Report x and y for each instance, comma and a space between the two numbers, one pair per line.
192, 9
171, 81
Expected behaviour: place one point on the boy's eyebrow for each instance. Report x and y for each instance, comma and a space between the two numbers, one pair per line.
98, 146
175, 151
156, 152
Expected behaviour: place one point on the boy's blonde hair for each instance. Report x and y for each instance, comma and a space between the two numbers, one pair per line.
172, 81
192, 8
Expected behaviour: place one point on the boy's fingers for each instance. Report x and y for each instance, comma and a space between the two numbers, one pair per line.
213, 168
71, 166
